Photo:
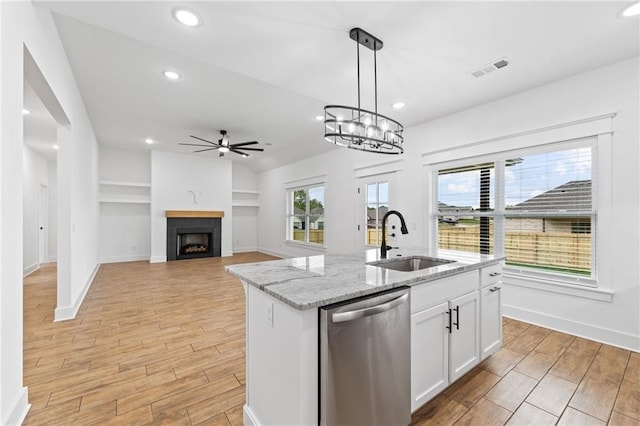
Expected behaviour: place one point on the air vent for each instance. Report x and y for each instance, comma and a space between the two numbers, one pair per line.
489, 68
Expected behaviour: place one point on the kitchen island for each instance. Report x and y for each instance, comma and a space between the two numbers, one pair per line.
283, 298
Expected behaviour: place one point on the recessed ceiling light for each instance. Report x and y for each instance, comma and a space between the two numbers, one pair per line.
632, 10
320, 117
171, 75
148, 141
25, 111
398, 105
56, 147
186, 17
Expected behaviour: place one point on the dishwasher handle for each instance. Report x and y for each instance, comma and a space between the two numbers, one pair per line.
372, 310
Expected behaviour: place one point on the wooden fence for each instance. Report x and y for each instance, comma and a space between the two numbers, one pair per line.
562, 250
315, 235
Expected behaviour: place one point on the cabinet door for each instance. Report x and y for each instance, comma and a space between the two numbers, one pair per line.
490, 320
464, 338
429, 353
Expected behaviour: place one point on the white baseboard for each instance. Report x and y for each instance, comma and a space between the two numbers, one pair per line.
53, 259
244, 249
118, 259
248, 418
227, 253
19, 408
158, 259
63, 313
588, 331
30, 269
282, 255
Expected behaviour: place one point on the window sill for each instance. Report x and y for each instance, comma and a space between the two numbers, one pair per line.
302, 244
558, 285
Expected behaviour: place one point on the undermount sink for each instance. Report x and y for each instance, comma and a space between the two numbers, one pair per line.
413, 263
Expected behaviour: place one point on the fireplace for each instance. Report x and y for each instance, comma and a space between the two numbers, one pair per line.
192, 237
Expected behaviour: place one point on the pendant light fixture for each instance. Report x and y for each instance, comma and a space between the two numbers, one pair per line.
358, 128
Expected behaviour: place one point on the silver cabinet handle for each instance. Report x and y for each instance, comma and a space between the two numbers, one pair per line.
494, 274
494, 289
372, 310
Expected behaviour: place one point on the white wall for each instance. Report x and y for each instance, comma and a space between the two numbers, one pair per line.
611, 89
125, 228
23, 24
34, 174
173, 176
245, 218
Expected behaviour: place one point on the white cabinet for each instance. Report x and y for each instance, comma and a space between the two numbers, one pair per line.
455, 322
429, 354
490, 310
444, 346
464, 335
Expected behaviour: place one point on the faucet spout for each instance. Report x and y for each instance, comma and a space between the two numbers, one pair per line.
403, 228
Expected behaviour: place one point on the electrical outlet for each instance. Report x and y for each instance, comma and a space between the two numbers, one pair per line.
269, 313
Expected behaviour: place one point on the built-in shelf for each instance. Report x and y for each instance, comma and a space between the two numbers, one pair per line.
245, 203
117, 183
245, 198
123, 200
120, 192
245, 191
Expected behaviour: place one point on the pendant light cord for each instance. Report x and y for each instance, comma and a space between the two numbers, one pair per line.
375, 80
358, 58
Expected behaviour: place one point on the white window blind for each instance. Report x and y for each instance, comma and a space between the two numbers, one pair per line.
542, 198
549, 211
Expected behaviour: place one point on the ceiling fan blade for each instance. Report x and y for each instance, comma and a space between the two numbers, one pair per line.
204, 140
194, 144
244, 143
206, 149
244, 154
250, 149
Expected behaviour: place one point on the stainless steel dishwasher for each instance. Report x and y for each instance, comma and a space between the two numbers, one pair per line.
365, 360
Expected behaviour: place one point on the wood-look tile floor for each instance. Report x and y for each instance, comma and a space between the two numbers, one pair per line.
158, 343
164, 344
542, 377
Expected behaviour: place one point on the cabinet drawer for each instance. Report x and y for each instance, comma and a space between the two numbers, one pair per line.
491, 274
433, 292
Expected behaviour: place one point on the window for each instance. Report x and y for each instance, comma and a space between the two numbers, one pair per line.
377, 205
305, 214
535, 206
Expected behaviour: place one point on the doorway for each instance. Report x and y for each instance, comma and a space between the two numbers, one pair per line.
43, 224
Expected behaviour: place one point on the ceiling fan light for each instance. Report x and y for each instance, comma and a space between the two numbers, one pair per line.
223, 149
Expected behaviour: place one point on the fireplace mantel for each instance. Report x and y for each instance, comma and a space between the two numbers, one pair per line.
193, 213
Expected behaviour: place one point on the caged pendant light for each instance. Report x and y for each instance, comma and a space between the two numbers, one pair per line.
358, 128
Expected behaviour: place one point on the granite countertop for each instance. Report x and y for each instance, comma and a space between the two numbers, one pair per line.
312, 281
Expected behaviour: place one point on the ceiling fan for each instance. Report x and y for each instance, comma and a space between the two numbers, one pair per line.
223, 146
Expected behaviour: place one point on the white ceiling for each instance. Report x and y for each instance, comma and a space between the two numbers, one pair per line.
263, 70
